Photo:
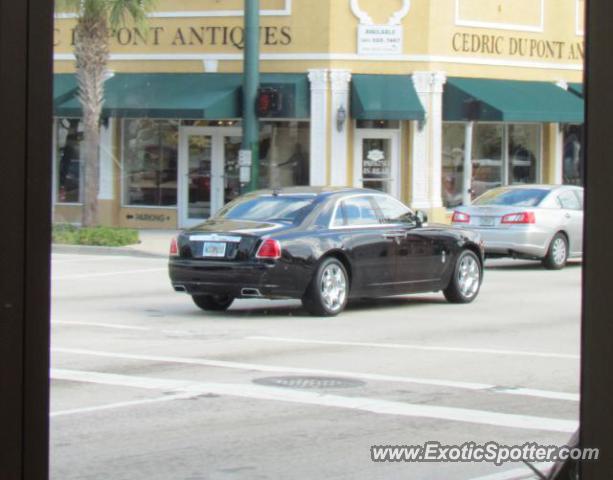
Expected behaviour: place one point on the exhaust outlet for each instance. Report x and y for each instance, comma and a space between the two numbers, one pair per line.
250, 292
180, 288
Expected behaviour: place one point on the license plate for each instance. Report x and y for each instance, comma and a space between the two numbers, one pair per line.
487, 221
214, 249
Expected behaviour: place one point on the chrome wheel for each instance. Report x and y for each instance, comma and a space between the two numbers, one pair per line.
333, 287
469, 276
558, 251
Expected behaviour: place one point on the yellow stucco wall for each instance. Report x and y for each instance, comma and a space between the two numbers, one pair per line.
513, 39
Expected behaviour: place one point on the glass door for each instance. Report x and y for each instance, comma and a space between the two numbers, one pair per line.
377, 161
208, 172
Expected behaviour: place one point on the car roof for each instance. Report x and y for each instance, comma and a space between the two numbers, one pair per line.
541, 186
315, 191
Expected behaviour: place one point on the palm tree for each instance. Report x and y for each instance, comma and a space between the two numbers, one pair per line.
96, 20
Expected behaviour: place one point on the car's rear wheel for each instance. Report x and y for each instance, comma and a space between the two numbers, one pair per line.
557, 255
215, 303
466, 279
328, 291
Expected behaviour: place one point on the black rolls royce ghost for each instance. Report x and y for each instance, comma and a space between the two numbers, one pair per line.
323, 246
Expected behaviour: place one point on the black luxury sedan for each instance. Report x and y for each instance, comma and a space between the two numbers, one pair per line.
323, 246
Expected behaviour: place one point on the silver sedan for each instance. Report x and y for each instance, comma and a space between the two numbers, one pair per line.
542, 222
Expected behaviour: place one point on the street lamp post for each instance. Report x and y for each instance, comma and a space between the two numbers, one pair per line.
249, 156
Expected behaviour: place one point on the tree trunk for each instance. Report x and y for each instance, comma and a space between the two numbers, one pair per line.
92, 53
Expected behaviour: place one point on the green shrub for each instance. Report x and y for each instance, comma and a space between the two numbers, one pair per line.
98, 236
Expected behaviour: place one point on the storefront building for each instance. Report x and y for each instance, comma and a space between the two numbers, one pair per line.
433, 102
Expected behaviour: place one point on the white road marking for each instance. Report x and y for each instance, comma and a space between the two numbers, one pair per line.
364, 404
336, 373
113, 326
67, 259
107, 274
418, 347
515, 473
112, 406
116, 326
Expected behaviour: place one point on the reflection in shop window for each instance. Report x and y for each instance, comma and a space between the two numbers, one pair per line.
284, 154
573, 160
68, 164
150, 162
453, 163
487, 158
524, 148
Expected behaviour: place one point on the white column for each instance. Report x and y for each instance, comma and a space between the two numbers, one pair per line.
319, 126
468, 164
106, 191
339, 80
426, 152
435, 120
558, 154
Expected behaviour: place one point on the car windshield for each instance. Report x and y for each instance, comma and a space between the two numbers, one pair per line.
513, 197
269, 208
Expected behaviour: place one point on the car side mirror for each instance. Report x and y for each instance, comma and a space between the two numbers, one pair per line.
421, 218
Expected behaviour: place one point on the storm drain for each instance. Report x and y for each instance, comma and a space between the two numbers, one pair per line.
309, 382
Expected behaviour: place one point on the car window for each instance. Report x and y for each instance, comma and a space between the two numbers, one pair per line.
269, 208
516, 197
579, 195
393, 211
355, 211
569, 200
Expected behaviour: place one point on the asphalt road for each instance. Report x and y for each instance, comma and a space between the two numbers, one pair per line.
146, 386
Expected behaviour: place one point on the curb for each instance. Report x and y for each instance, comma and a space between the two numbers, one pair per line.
111, 251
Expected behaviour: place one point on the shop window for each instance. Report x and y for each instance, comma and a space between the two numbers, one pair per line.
487, 158
150, 154
573, 156
524, 148
453, 164
284, 154
502, 154
68, 160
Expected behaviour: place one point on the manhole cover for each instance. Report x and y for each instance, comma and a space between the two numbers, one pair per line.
309, 382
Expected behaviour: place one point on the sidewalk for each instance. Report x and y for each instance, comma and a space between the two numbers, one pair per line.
153, 243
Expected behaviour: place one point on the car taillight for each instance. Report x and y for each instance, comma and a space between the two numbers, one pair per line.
460, 217
519, 218
174, 247
269, 250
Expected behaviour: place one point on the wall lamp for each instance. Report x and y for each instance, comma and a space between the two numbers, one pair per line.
341, 118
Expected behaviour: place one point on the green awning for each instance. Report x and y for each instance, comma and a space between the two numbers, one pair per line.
510, 101
576, 88
208, 96
64, 87
385, 97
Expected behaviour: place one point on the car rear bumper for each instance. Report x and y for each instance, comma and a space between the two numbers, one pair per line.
529, 241
238, 280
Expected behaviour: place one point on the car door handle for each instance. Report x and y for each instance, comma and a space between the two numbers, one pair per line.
567, 215
394, 235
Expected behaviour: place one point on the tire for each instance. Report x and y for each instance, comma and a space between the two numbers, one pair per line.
213, 303
557, 254
462, 287
330, 277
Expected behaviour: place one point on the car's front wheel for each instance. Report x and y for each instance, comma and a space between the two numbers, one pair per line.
215, 303
466, 279
328, 291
